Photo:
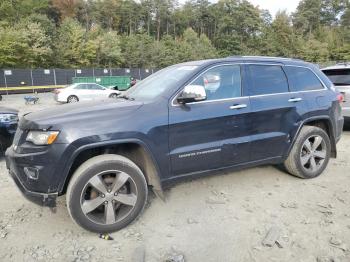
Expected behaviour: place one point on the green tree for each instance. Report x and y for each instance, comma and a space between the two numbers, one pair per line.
138, 50
13, 47
307, 17
193, 47
109, 50
281, 36
70, 44
314, 51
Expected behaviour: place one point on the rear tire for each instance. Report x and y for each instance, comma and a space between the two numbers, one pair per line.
310, 153
106, 193
72, 99
113, 95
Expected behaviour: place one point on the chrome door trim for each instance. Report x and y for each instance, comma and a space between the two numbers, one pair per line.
250, 63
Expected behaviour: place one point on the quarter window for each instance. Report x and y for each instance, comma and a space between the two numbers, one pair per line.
221, 82
302, 79
267, 79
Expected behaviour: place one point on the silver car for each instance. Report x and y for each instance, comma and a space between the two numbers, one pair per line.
340, 76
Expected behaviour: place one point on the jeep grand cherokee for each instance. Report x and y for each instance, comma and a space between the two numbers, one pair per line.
181, 122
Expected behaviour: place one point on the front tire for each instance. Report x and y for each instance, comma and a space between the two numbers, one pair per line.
106, 193
113, 95
72, 99
310, 153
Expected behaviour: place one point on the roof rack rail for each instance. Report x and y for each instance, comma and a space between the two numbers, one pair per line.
343, 63
266, 57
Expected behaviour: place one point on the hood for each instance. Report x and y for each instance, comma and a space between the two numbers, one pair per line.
78, 112
7, 110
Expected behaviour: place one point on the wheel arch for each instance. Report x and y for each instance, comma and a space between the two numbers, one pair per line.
134, 149
323, 122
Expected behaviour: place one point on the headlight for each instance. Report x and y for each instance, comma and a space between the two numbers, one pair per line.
5, 118
41, 138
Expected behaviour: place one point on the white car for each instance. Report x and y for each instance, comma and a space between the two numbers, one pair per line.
83, 92
340, 76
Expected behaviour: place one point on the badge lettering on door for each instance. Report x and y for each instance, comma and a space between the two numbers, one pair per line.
200, 153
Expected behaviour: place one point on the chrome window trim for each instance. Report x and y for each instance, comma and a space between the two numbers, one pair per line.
250, 63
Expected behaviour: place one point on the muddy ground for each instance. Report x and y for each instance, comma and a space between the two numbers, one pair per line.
219, 218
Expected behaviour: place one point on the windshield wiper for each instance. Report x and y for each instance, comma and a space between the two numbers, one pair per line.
126, 97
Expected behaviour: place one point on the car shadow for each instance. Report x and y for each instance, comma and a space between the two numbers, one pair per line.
347, 124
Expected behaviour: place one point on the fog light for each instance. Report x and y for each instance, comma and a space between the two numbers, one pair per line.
31, 172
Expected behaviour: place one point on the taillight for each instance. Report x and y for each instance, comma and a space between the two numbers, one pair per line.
340, 98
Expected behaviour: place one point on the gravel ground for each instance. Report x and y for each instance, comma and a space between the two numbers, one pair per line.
230, 217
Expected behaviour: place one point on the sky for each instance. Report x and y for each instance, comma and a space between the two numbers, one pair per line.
274, 5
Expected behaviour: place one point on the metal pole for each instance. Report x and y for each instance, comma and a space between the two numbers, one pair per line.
140, 73
7, 92
31, 77
54, 76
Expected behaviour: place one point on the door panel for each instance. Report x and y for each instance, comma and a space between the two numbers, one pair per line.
214, 133
274, 122
276, 113
80, 91
208, 135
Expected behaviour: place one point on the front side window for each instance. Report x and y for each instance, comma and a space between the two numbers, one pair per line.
221, 82
95, 87
339, 77
80, 86
302, 79
267, 79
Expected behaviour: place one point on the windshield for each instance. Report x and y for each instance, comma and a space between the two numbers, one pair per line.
156, 84
339, 77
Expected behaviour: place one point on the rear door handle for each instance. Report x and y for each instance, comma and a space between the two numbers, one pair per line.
295, 99
240, 106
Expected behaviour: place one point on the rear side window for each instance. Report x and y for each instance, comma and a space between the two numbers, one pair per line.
266, 79
339, 77
302, 79
81, 86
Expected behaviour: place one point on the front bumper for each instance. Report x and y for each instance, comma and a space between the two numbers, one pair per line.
42, 189
41, 199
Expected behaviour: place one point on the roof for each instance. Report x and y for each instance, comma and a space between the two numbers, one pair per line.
247, 59
338, 66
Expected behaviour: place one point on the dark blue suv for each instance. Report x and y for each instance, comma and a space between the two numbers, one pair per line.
182, 122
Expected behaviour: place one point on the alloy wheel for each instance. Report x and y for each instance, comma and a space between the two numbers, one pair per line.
73, 99
313, 153
108, 197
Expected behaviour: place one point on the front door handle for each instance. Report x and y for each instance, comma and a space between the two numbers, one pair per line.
295, 99
239, 106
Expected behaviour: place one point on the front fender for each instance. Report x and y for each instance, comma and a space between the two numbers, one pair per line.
77, 150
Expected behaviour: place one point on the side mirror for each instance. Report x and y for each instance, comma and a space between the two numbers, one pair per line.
192, 93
